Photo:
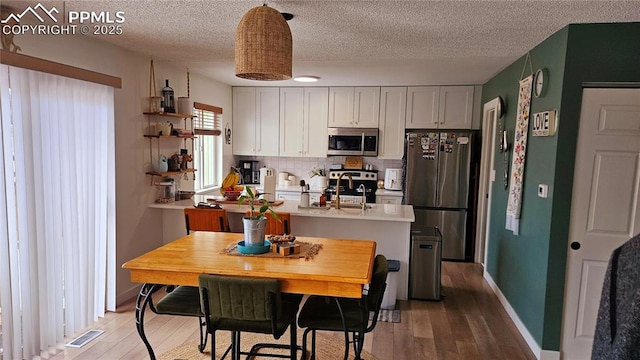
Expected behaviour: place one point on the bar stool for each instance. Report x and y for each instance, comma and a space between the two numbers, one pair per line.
277, 227
197, 219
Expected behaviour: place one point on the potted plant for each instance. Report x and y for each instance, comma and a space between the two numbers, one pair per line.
321, 173
254, 223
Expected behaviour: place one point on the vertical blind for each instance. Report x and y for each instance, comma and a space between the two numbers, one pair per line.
57, 214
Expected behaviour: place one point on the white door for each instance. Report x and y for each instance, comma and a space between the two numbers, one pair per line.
490, 117
605, 209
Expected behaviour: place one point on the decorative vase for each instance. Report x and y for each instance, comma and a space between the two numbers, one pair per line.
161, 164
254, 229
322, 182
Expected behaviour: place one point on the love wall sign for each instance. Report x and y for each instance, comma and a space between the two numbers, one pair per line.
544, 123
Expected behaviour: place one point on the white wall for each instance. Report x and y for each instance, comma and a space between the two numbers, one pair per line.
138, 228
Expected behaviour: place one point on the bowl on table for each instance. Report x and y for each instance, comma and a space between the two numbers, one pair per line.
232, 195
184, 194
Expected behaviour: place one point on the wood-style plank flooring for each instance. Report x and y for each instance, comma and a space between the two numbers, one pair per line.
469, 323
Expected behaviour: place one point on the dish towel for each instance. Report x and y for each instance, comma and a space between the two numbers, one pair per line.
270, 188
617, 333
514, 203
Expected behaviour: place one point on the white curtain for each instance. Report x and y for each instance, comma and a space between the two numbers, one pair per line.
57, 215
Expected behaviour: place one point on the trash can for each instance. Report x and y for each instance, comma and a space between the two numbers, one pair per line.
425, 263
389, 297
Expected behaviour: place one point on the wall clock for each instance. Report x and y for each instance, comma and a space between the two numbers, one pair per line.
538, 82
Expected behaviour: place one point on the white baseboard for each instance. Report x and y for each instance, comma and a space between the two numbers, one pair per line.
128, 295
533, 345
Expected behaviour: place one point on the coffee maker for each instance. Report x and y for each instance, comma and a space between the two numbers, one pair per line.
250, 171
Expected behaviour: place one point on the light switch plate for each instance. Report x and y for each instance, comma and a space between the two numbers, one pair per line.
543, 190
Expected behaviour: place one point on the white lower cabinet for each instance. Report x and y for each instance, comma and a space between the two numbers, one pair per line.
288, 195
295, 195
386, 199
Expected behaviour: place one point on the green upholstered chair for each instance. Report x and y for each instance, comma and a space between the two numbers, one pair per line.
240, 304
327, 313
183, 301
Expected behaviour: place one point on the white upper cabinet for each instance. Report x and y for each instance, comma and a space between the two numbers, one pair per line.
244, 121
393, 101
456, 107
354, 107
439, 107
422, 107
303, 121
366, 107
256, 115
316, 115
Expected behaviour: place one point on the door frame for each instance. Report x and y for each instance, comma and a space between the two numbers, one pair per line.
491, 114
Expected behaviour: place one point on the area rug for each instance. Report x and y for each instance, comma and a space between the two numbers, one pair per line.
328, 347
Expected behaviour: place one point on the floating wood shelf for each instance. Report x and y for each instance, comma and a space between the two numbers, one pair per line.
170, 173
176, 115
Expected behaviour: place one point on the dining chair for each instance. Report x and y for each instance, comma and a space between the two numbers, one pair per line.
242, 304
349, 315
202, 219
185, 300
275, 226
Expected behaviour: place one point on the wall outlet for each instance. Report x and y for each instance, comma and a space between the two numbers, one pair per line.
543, 190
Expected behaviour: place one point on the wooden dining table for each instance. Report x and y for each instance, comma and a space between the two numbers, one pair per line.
339, 268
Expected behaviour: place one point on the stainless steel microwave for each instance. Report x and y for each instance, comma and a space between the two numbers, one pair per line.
353, 141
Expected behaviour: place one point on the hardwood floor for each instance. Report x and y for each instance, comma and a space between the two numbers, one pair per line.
469, 323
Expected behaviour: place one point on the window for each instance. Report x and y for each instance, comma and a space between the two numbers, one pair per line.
207, 147
57, 209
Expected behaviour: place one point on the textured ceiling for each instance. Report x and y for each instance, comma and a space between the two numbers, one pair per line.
358, 42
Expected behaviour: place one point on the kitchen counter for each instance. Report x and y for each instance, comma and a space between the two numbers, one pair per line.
389, 225
377, 212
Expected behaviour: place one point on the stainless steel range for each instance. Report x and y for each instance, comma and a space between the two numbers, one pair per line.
363, 180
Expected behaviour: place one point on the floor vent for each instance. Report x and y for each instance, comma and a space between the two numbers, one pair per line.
85, 338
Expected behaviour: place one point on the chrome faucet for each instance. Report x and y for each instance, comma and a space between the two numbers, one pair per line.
338, 187
363, 202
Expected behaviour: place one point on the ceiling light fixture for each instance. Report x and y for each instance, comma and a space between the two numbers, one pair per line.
263, 45
306, 78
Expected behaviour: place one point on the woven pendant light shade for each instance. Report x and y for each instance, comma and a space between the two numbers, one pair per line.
263, 45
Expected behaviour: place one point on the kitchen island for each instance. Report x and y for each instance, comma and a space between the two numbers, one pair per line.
389, 225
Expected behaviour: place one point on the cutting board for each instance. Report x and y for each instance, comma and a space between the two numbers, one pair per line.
353, 162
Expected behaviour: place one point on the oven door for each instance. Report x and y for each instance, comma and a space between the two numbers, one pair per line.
352, 141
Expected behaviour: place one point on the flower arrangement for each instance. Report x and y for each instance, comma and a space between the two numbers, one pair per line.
318, 171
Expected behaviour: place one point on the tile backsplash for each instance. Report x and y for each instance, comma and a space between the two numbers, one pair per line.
300, 167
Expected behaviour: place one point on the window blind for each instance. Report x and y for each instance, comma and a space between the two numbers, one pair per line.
207, 121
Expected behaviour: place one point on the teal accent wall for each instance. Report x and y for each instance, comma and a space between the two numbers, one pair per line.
529, 268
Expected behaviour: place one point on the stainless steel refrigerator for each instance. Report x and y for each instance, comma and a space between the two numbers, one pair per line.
437, 181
